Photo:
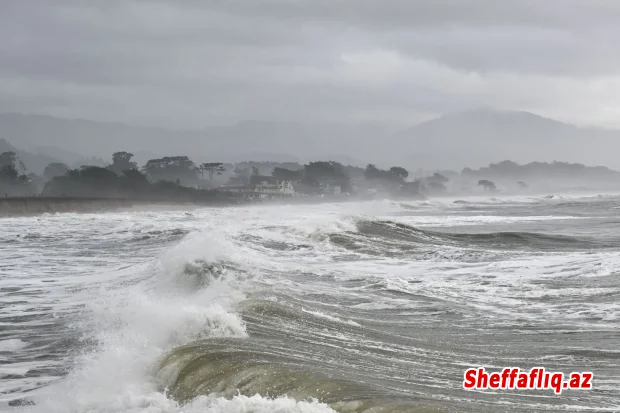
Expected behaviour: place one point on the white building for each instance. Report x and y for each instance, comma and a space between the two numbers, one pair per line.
275, 187
264, 186
330, 189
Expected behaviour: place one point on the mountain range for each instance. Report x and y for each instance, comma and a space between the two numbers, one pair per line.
454, 141
476, 138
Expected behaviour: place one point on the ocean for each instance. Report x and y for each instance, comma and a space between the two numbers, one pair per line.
375, 306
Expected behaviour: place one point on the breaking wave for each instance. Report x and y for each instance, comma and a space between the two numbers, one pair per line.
233, 368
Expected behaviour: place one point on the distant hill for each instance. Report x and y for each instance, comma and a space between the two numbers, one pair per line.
35, 163
250, 140
553, 173
468, 139
475, 138
6, 147
69, 138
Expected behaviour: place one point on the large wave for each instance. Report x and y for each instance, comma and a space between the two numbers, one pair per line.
406, 237
175, 300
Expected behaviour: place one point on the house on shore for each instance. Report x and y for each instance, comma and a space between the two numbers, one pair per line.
262, 187
270, 185
331, 189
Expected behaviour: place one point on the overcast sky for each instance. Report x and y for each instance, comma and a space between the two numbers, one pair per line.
193, 62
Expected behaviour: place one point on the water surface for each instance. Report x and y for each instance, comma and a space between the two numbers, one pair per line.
367, 307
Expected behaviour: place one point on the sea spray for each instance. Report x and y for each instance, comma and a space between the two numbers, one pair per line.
134, 326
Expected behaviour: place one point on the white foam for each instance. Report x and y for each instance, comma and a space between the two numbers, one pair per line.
156, 402
12, 345
134, 327
330, 317
453, 220
255, 404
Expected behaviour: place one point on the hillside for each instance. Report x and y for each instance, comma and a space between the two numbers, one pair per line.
468, 139
475, 138
250, 140
35, 163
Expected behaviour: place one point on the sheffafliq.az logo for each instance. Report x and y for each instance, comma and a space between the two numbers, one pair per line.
535, 379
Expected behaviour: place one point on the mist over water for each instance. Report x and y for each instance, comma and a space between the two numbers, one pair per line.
357, 307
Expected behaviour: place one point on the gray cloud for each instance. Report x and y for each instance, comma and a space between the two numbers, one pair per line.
193, 62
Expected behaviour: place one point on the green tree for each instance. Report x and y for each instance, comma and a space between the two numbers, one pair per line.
134, 180
11, 159
395, 174
435, 183
487, 185
399, 172
121, 162
371, 172
88, 181
283, 174
213, 168
8, 173
97, 174
13, 180
241, 176
172, 168
55, 169
323, 173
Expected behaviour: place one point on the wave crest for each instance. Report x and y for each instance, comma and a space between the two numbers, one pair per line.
389, 234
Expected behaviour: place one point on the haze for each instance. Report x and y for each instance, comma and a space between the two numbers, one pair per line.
291, 80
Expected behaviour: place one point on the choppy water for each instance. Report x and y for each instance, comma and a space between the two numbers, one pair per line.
369, 307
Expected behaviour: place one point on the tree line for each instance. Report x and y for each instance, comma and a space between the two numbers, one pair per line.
173, 176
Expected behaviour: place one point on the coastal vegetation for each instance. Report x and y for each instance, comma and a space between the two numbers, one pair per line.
512, 171
487, 185
180, 179
14, 179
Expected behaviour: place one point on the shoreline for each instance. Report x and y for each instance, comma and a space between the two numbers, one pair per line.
12, 207
15, 207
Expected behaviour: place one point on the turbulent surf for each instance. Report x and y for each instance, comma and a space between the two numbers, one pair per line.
357, 307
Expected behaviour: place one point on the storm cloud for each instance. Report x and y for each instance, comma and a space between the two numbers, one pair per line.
194, 63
